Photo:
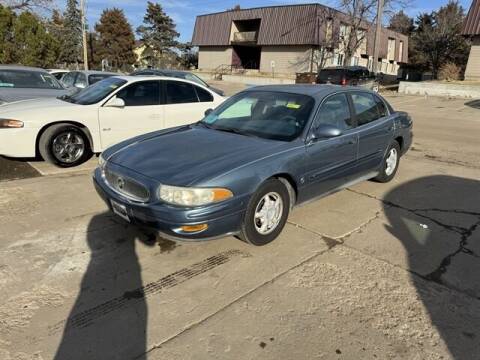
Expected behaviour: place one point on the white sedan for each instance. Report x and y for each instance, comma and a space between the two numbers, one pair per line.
67, 130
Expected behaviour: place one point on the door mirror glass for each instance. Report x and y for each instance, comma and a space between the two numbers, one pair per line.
115, 102
208, 112
326, 131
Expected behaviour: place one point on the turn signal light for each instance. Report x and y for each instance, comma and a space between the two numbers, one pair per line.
194, 228
9, 123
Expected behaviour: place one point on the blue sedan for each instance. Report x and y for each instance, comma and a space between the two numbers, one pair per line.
241, 169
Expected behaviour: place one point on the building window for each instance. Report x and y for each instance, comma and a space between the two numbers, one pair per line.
340, 59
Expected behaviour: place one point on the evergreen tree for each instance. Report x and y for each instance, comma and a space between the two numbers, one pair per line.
438, 39
402, 23
115, 39
34, 46
7, 47
158, 32
72, 38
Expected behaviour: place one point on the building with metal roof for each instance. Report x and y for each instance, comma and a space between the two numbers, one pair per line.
471, 28
289, 39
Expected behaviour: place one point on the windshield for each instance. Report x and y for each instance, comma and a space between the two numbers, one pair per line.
24, 79
95, 92
266, 114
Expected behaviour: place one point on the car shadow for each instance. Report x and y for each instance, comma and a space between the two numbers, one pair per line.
109, 317
473, 103
437, 220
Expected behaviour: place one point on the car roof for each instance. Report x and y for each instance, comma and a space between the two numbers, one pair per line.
165, 71
353, 67
95, 72
21, 67
315, 91
134, 78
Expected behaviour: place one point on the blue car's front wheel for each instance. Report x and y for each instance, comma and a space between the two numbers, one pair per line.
266, 214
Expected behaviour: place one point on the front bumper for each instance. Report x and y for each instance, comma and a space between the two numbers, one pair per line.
18, 143
222, 219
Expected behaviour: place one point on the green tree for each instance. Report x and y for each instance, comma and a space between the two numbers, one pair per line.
402, 23
438, 39
116, 40
72, 34
158, 32
7, 48
34, 46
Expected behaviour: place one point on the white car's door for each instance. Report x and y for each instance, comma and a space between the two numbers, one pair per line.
185, 103
142, 113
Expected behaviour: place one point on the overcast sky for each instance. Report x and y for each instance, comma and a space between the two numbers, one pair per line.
184, 12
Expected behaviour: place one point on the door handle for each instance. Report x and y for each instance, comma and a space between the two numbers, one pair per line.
106, 129
351, 142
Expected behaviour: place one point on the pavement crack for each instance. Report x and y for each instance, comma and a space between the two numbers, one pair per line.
436, 275
465, 233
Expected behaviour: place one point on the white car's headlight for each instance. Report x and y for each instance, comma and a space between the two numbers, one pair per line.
10, 123
192, 196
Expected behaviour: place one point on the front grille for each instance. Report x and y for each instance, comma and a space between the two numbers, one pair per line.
126, 186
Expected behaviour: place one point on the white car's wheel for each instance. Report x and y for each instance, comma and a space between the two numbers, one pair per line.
64, 145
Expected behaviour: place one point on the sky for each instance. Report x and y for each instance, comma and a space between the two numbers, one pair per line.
183, 12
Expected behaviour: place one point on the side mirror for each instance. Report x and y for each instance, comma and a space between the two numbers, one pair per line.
325, 131
208, 112
115, 102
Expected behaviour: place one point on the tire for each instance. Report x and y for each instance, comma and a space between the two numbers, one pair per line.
64, 145
392, 158
257, 232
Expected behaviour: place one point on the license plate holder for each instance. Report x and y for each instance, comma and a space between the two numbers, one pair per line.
120, 210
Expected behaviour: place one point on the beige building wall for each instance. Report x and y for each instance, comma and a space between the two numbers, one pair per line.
211, 57
472, 72
288, 59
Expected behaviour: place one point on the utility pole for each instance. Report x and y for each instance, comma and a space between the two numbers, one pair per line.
84, 34
378, 33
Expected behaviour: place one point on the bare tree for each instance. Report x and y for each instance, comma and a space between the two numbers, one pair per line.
26, 4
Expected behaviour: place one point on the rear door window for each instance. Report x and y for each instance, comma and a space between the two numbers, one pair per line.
141, 93
382, 108
179, 92
203, 95
366, 108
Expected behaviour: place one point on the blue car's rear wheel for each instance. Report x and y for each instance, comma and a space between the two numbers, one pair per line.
266, 214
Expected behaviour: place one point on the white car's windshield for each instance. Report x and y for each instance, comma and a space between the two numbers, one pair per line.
266, 114
95, 92
26, 79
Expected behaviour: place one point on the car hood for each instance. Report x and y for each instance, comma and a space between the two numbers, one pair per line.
11, 95
191, 155
23, 108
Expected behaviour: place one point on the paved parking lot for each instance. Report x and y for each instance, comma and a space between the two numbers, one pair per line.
386, 271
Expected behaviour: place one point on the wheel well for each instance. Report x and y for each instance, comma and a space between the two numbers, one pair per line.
291, 184
399, 140
77, 124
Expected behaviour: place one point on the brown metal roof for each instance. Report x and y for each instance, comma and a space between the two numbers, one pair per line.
283, 25
471, 26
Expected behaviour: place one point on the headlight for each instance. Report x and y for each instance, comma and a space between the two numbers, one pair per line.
10, 123
192, 196
101, 161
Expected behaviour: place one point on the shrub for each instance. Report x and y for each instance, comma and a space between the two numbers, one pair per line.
450, 71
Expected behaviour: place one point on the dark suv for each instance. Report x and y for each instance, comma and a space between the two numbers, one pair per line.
348, 75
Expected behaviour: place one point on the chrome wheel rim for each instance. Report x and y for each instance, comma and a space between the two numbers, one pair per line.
391, 162
68, 147
268, 213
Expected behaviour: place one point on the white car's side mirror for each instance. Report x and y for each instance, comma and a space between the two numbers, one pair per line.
115, 102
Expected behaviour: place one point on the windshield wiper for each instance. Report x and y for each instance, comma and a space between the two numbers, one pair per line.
204, 124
